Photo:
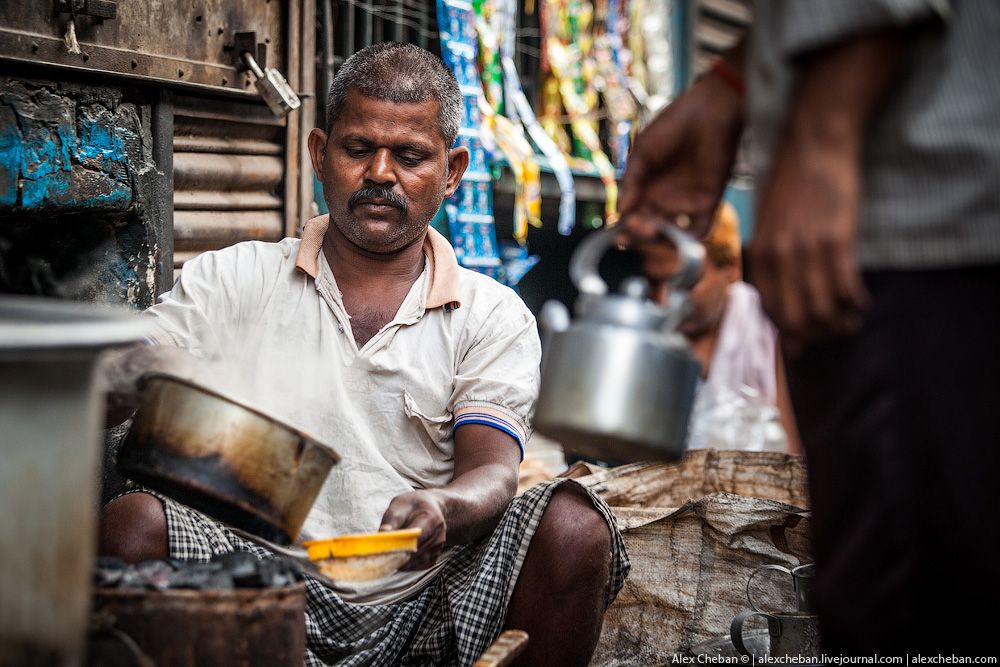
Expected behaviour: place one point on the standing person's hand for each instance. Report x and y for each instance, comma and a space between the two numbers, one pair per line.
803, 256
422, 509
681, 161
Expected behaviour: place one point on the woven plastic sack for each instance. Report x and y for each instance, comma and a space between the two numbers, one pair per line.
695, 531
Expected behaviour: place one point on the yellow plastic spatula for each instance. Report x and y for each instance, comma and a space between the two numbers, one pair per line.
365, 556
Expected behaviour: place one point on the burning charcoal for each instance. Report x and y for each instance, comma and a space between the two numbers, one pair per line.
155, 574
280, 573
242, 566
202, 577
108, 571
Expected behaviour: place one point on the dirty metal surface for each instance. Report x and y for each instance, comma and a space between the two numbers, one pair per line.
69, 149
229, 174
84, 200
250, 627
224, 458
181, 41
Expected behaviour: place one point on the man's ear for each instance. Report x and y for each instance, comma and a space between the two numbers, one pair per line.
317, 151
458, 162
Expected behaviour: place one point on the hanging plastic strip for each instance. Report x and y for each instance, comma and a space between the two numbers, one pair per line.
612, 56
509, 135
518, 108
470, 209
562, 63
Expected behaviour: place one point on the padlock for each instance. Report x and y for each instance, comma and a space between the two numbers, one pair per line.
272, 87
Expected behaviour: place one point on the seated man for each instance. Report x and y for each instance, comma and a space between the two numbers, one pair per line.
742, 401
421, 374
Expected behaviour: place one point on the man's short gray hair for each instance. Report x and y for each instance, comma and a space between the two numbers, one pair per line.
400, 73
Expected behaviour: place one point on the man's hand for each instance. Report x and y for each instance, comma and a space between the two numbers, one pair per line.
803, 257
470, 505
422, 509
681, 161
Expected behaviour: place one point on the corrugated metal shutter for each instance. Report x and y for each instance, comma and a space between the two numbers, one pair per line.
718, 25
229, 167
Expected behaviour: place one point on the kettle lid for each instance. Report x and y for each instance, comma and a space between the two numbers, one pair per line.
630, 307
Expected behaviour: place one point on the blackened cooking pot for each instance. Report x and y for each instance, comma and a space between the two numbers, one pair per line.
224, 458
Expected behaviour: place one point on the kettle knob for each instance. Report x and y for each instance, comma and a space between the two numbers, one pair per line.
635, 287
554, 317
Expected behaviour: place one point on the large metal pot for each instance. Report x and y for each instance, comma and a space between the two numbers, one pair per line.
51, 415
618, 381
224, 458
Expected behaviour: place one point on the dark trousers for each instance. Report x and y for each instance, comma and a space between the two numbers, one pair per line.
901, 427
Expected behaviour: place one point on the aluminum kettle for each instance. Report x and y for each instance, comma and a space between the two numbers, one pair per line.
618, 382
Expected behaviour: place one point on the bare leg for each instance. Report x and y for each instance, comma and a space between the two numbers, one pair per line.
559, 599
134, 527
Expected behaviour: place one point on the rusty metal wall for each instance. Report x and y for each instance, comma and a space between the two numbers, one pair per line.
241, 173
82, 191
229, 174
187, 43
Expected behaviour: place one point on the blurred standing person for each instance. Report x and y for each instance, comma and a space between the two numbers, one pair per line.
742, 400
876, 146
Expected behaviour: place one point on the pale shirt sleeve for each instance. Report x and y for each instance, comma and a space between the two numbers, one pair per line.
497, 380
193, 314
811, 25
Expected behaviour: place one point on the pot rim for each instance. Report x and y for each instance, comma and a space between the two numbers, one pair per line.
240, 403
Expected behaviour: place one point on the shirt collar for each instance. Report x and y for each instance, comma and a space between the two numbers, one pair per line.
441, 262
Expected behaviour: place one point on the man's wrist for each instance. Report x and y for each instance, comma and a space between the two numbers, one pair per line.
721, 101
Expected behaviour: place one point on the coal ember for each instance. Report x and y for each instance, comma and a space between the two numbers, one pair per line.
226, 571
203, 577
242, 566
108, 571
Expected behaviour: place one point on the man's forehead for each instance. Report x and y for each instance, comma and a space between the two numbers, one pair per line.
364, 116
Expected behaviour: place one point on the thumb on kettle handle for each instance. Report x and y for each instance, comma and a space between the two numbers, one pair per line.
692, 255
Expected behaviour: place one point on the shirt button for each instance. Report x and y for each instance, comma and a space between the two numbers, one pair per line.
341, 328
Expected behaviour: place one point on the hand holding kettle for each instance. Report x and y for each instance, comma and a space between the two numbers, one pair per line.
618, 382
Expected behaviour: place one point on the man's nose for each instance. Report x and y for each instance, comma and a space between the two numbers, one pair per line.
381, 168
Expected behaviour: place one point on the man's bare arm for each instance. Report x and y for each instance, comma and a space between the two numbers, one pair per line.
470, 506
803, 255
681, 161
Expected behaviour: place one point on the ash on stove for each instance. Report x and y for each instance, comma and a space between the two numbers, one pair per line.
228, 571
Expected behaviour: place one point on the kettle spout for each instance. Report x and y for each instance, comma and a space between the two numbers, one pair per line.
552, 319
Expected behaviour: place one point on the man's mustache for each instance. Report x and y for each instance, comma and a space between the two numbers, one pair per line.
377, 193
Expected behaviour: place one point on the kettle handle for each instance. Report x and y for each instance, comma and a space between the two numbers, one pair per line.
584, 262
779, 568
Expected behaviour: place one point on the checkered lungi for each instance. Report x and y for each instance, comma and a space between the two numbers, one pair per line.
450, 622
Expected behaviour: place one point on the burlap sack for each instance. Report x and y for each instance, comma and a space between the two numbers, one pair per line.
695, 531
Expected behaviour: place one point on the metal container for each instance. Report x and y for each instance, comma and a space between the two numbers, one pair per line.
50, 426
224, 458
618, 381
181, 628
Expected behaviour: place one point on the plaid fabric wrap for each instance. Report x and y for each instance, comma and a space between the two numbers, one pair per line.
450, 622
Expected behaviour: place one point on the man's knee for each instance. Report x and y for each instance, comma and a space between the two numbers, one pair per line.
134, 528
574, 538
